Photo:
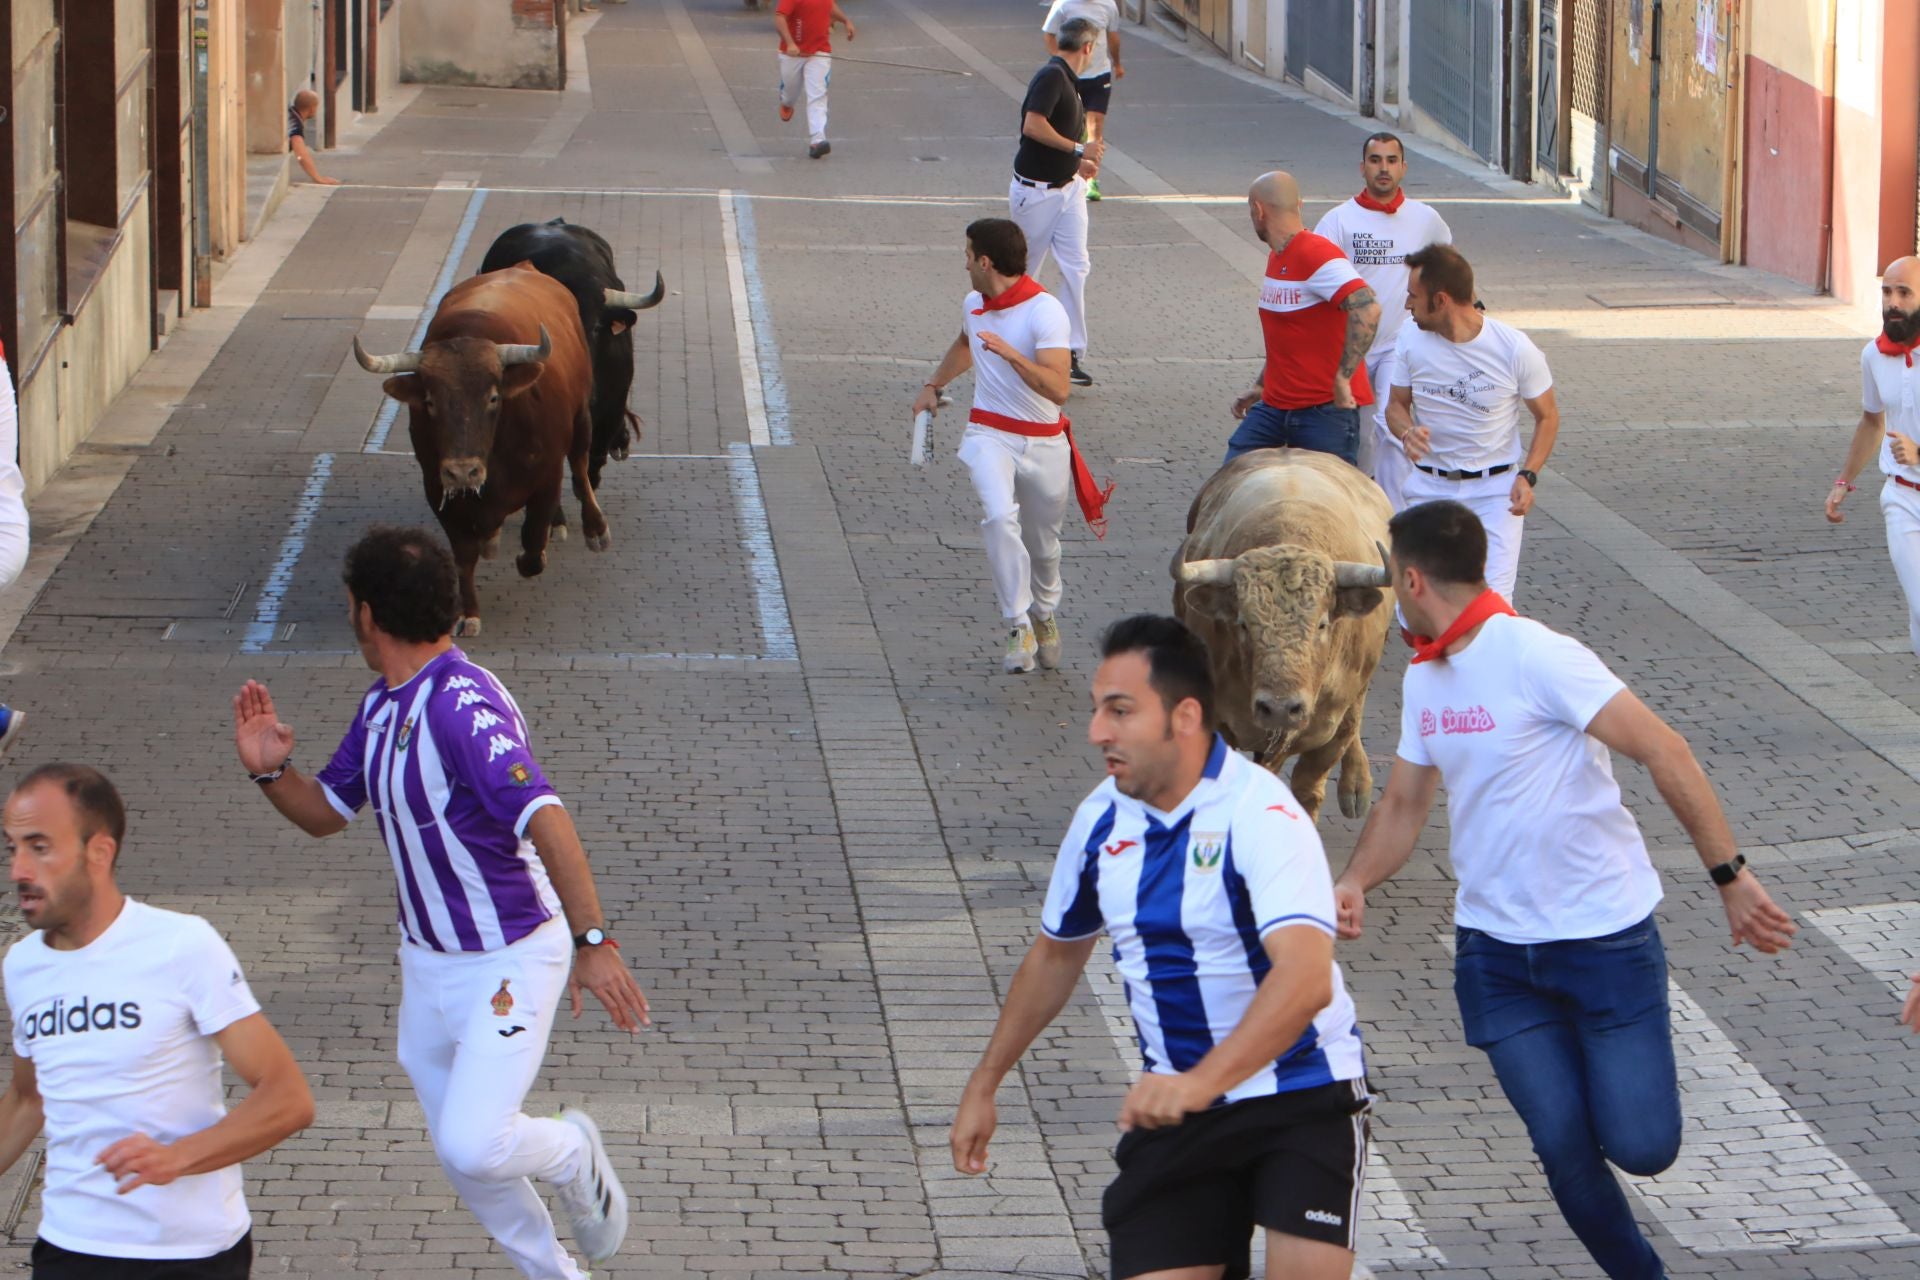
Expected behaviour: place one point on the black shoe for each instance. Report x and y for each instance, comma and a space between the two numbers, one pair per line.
1078, 376
818, 149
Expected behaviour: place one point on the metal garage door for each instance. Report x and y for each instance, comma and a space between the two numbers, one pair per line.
1320, 35
1454, 70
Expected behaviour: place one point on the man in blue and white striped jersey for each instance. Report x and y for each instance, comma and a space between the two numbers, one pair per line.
497, 902
1198, 863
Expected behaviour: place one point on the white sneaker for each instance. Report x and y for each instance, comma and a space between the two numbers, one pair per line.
595, 1201
1046, 634
1021, 647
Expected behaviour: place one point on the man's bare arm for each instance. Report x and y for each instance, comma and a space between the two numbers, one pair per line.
1546, 428
1363, 321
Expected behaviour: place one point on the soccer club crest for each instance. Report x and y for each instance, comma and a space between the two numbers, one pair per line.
519, 775
502, 1001
406, 734
1205, 849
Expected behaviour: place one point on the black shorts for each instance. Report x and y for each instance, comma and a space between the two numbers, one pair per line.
1190, 1196
51, 1262
1096, 92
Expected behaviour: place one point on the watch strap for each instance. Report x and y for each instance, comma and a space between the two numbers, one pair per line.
1728, 871
1530, 477
265, 778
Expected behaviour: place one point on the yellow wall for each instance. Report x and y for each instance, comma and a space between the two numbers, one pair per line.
1794, 36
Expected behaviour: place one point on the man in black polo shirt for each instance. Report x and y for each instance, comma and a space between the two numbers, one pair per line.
1048, 196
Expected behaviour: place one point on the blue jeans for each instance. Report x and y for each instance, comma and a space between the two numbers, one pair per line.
1581, 1039
1322, 428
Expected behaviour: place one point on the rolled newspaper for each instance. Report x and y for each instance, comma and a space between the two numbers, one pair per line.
917, 455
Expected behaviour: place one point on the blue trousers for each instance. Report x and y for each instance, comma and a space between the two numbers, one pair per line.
1322, 428
1581, 1039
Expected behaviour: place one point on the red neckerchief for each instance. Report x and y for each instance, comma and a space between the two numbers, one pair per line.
1485, 605
1012, 296
1888, 347
1366, 201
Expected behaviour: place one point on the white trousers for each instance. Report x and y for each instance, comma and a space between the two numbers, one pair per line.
1054, 221
1901, 508
473, 1032
1380, 454
13, 487
1023, 483
1489, 498
811, 74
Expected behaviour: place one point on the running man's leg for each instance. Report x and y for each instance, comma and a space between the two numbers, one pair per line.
1901, 509
793, 74
1069, 245
1042, 487
1491, 499
1625, 1028
992, 463
819, 71
1373, 417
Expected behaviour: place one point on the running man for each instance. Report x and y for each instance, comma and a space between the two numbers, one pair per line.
1461, 381
1317, 321
1048, 194
1889, 429
122, 1017
1252, 1108
1095, 82
1377, 229
497, 902
806, 62
1018, 446
1558, 964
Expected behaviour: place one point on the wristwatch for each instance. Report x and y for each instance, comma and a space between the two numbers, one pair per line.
1530, 477
1726, 872
1079, 151
594, 937
267, 779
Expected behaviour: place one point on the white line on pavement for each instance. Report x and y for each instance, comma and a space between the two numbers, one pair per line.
266, 610
773, 378
769, 592
389, 409
743, 339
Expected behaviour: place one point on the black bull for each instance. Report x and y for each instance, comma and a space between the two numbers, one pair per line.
582, 260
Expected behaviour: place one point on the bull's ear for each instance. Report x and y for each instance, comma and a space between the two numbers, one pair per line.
1350, 602
517, 378
619, 320
406, 388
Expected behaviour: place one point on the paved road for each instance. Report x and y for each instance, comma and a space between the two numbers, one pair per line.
820, 816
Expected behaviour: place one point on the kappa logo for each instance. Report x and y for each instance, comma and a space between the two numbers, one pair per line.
498, 745
1118, 847
485, 718
1324, 1218
467, 698
459, 682
1206, 850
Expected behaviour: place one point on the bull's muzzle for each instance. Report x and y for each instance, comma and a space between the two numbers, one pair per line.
463, 475
1279, 713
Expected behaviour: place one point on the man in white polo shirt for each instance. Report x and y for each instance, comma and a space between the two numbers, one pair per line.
1889, 427
122, 1016
1377, 229
1461, 381
1018, 446
1252, 1106
1558, 964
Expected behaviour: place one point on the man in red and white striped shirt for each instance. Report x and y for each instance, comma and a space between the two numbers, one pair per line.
1318, 318
1018, 446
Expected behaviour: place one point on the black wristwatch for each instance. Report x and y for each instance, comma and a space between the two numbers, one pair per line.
267, 779
594, 937
1726, 872
1530, 477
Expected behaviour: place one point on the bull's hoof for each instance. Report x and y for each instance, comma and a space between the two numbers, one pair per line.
599, 541
466, 627
530, 563
558, 533
492, 548
1355, 804
620, 451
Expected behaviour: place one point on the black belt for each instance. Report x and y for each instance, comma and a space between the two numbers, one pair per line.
1045, 186
1463, 475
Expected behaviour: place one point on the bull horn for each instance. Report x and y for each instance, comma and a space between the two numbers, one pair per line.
1205, 573
398, 362
1347, 573
512, 353
638, 301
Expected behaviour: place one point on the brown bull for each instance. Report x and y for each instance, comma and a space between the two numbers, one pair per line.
498, 404
1281, 575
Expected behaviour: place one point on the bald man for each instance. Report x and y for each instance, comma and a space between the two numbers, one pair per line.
1889, 426
306, 104
1318, 318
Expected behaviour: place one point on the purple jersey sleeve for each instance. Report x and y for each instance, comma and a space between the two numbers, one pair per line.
345, 777
482, 740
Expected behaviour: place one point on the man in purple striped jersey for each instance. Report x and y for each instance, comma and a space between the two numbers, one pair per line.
499, 916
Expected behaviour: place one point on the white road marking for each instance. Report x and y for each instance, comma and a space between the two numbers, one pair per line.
266, 609
769, 592
743, 339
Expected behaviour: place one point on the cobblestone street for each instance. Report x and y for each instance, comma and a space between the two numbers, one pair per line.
821, 818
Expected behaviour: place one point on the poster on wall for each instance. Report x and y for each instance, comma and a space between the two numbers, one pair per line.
1636, 27
1706, 42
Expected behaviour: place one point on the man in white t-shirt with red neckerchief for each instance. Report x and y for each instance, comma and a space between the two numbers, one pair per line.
1461, 383
1558, 964
1018, 446
1377, 229
1889, 427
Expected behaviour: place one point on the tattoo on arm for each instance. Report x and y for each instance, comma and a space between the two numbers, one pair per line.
1360, 330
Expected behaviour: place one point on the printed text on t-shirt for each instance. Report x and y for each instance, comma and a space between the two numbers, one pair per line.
1470, 720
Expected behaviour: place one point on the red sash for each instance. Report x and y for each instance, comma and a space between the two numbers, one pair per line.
1366, 201
1888, 347
1487, 604
1091, 497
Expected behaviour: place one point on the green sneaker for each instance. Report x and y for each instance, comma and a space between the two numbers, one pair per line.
1020, 650
1093, 189
1046, 635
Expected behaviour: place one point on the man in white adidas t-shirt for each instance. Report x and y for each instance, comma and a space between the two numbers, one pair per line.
1252, 1106
122, 1015
1377, 229
1461, 381
1558, 966
1018, 446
